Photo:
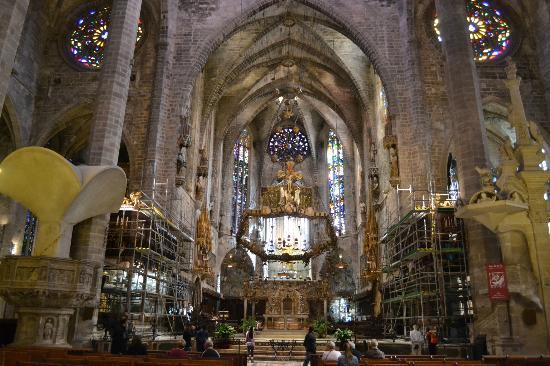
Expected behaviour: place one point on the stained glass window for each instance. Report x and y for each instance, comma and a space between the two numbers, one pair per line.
490, 31
288, 144
452, 178
335, 162
29, 234
88, 34
240, 178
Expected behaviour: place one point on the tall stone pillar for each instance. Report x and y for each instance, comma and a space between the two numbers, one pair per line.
159, 109
12, 19
245, 308
469, 133
106, 135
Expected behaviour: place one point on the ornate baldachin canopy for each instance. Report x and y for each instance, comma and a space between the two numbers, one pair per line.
286, 199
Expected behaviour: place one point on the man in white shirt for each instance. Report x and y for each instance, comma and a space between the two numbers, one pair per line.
331, 354
416, 341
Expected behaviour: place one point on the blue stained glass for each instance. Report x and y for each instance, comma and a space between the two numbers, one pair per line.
490, 31
335, 162
29, 234
240, 178
87, 38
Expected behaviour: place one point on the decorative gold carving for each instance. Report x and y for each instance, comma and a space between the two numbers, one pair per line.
203, 244
275, 291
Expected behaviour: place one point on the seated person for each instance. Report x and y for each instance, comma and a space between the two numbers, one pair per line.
209, 351
348, 359
355, 352
179, 351
136, 347
331, 354
373, 351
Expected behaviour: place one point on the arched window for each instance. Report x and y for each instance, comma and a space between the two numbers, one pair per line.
87, 36
29, 234
452, 178
240, 178
335, 162
490, 30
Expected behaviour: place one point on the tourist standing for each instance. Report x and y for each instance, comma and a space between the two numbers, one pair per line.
310, 343
416, 341
348, 359
250, 343
432, 339
119, 337
201, 337
374, 352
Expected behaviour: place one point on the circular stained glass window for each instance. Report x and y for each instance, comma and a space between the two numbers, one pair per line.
288, 144
490, 31
88, 34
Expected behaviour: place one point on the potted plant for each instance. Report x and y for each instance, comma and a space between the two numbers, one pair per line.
247, 323
342, 336
223, 334
320, 327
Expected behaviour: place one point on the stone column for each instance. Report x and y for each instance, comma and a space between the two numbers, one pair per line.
106, 132
469, 132
325, 309
12, 19
245, 308
159, 109
540, 14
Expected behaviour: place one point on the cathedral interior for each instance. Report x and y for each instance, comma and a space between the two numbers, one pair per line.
370, 164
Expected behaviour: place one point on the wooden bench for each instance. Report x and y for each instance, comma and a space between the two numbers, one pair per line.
518, 360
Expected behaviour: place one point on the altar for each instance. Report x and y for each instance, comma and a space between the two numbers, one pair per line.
287, 301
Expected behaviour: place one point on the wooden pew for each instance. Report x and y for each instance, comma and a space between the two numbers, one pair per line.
517, 360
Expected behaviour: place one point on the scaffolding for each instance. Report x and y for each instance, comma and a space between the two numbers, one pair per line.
147, 270
424, 269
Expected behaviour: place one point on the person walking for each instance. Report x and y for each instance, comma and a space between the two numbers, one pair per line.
416, 341
250, 343
432, 339
310, 343
348, 359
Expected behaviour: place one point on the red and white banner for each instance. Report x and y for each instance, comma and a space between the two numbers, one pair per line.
496, 280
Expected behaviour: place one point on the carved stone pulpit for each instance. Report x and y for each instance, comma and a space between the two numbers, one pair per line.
47, 286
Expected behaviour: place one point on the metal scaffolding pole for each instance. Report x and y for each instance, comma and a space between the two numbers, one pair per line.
147, 269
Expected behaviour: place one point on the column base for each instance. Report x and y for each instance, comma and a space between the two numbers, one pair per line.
42, 327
